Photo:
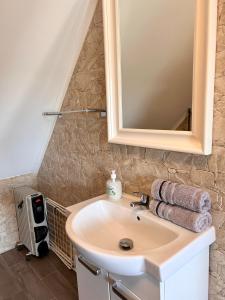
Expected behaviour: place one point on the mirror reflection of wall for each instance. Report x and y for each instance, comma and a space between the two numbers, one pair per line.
156, 45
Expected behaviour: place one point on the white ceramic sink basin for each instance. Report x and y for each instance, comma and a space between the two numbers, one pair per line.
102, 224
96, 226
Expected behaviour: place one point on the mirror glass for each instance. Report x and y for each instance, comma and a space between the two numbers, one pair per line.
156, 45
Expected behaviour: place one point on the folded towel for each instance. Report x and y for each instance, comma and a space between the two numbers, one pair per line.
182, 195
196, 222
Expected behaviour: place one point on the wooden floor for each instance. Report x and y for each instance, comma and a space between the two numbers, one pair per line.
38, 279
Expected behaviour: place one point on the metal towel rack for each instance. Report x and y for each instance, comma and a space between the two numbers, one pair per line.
86, 110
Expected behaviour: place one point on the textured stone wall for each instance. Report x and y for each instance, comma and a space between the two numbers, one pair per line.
8, 224
78, 159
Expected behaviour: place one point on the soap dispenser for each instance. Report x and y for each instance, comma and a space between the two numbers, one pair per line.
114, 187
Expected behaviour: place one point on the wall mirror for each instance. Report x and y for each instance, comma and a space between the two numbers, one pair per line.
160, 69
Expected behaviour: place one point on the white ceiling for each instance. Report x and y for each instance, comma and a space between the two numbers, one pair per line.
40, 44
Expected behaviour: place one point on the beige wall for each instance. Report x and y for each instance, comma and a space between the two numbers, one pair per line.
78, 159
8, 224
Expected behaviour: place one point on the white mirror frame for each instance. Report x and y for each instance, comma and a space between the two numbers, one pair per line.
199, 140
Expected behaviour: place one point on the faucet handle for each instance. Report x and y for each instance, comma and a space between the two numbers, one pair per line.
144, 198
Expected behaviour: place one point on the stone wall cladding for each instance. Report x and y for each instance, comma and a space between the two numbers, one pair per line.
79, 159
8, 224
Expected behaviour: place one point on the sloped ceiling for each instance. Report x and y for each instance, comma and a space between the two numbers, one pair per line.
40, 44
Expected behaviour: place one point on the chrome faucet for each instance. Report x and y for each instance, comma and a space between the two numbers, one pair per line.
144, 200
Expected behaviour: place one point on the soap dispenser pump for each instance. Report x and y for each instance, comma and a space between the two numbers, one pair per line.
114, 187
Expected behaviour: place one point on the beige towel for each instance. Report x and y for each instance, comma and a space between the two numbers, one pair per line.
196, 222
182, 195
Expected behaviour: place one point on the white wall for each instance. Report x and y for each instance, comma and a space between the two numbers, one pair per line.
40, 44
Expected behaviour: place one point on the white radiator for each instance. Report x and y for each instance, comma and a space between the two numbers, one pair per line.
32, 220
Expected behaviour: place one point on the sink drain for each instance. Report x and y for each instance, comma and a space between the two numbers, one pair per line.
126, 244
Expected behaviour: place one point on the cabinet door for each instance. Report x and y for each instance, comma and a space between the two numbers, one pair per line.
120, 292
142, 287
92, 281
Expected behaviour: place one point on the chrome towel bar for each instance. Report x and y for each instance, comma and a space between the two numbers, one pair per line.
86, 110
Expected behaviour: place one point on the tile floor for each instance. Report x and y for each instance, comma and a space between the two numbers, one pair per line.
39, 279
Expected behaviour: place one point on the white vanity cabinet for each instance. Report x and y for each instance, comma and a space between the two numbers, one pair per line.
96, 284
91, 285
174, 261
189, 283
142, 287
106, 286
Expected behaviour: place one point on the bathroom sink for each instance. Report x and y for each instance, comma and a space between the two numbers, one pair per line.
157, 247
103, 225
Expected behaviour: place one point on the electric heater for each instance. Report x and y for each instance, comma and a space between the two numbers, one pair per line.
32, 221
